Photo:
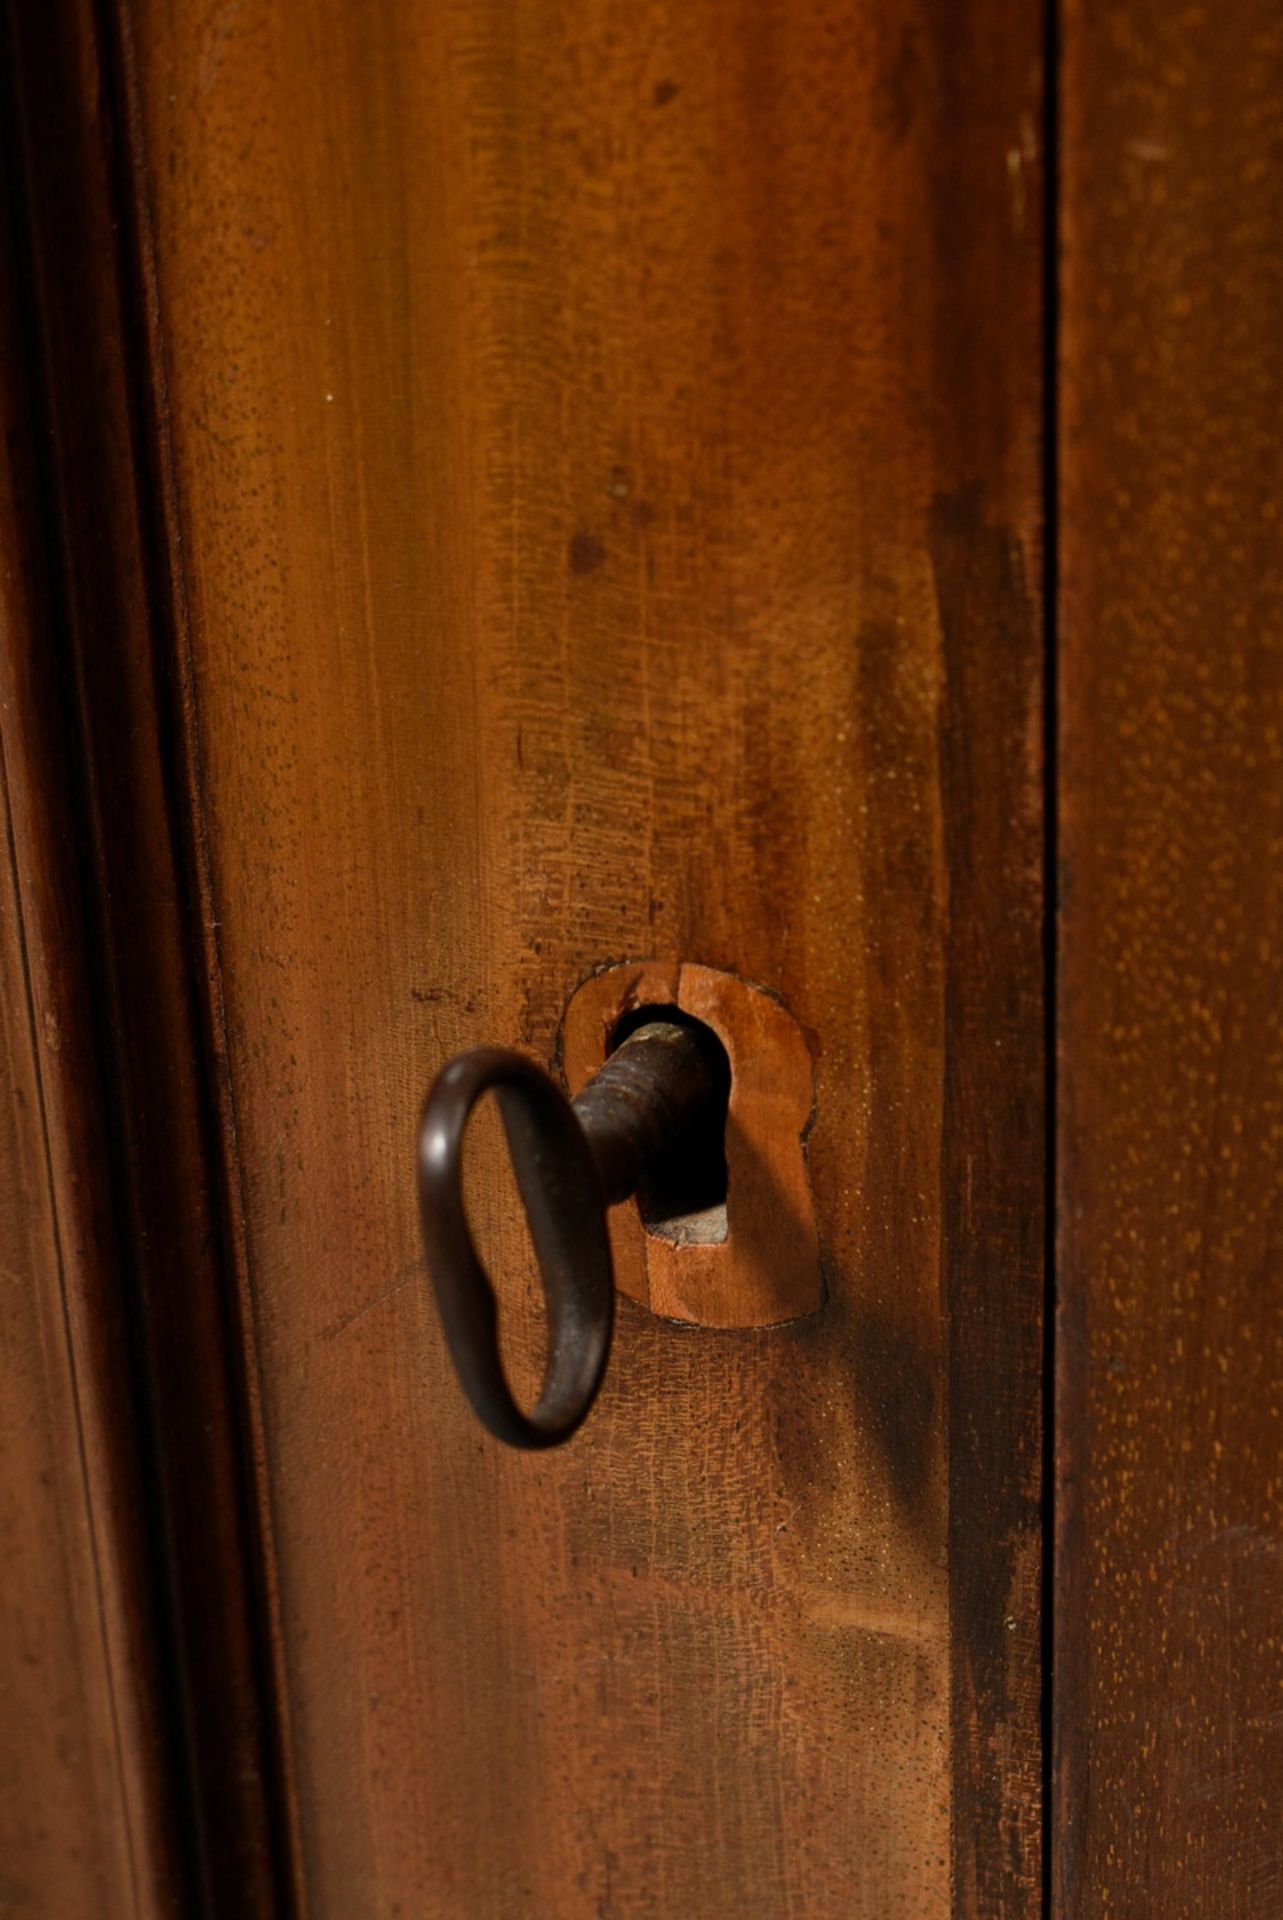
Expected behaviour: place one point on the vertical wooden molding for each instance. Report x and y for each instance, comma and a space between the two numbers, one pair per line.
90, 1821
114, 936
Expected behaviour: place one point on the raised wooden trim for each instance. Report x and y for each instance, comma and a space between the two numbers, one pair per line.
112, 931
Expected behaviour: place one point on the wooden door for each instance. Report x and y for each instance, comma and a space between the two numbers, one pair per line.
501, 492
589, 495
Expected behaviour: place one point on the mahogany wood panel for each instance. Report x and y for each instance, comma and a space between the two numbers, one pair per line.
66, 1835
170, 1803
86, 1818
598, 448
1169, 1590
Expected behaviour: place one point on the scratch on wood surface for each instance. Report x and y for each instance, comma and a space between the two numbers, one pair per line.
412, 1271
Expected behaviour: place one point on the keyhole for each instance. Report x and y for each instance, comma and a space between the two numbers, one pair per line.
683, 1199
724, 1235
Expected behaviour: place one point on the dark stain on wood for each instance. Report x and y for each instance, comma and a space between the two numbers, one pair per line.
991, 775
587, 552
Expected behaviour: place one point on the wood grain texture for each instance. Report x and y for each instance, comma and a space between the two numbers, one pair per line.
68, 1831
599, 447
87, 1822
1169, 1647
153, 1374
